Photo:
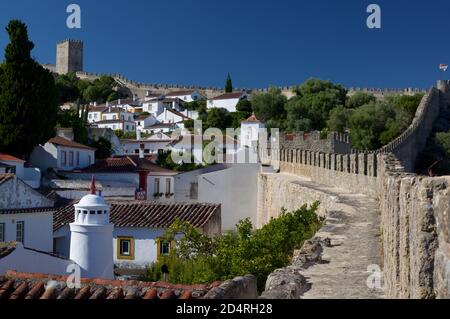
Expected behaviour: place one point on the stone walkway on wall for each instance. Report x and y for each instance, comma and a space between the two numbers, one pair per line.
353, 226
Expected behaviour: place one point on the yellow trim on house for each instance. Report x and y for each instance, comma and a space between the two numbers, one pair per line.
158, 248
123, 257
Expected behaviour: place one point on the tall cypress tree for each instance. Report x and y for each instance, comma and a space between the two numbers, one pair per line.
28, 97
229, 84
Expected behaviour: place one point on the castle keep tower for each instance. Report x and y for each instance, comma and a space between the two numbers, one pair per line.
91, 242
69, 56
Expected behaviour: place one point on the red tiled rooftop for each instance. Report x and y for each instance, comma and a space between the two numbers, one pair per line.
252, 118
228, 96
146, 214
180, 93
7, 157
126, 164
16, 285
57, 140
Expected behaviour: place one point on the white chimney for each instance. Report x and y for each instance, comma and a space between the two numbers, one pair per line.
138, 135
119, 102
107, 103
95, 103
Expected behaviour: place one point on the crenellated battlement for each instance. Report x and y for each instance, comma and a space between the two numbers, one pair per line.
357, 170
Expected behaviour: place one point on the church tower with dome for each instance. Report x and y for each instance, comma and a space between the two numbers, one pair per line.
91, 243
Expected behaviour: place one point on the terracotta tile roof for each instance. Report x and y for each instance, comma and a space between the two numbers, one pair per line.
36, 210
6, 177
161, 125
252, 118
112, 121
126, 164
228, 96
146, 214
16, 285
115, 110
7, 157
57, 140
180, 93
101, 108
142, 117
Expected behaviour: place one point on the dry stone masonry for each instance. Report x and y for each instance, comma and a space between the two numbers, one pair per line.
414, 223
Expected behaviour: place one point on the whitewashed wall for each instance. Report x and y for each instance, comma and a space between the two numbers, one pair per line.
236, 189
145, 244
38, 229
16, 194
228, 104
28, 261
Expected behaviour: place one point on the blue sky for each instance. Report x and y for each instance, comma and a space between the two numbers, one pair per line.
260, 43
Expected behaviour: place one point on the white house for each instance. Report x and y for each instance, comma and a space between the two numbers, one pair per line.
161, 128
157, 183
138, 226
235, 189
150, 147
62, 154
153, 106
143, 121
188, 143
26, 215
227, 101
16, 194
30, 226
117, 118
95, 113
172, 116
250, 130
14, 256
14, 165
186, 95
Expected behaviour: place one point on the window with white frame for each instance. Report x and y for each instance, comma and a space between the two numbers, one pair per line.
63, 158
71, 158
2, 232
20, 232
156, 186
168, 185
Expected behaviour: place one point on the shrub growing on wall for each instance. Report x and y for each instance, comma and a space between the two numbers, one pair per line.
199, 259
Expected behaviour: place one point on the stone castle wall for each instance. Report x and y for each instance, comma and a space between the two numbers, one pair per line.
313, 141
140, 89
69, 56
414, 223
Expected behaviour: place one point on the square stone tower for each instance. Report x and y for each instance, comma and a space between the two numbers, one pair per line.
69, 56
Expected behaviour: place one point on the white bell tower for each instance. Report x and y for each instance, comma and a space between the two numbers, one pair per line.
91, 243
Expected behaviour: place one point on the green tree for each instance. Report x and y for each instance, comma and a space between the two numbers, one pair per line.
368, 122
199, 259
70, 118
406, 102
338, 120
360, 99
103, 147
229, 84
269, 107
67, 87
245, 108
28, 97
311, 106
218, 118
